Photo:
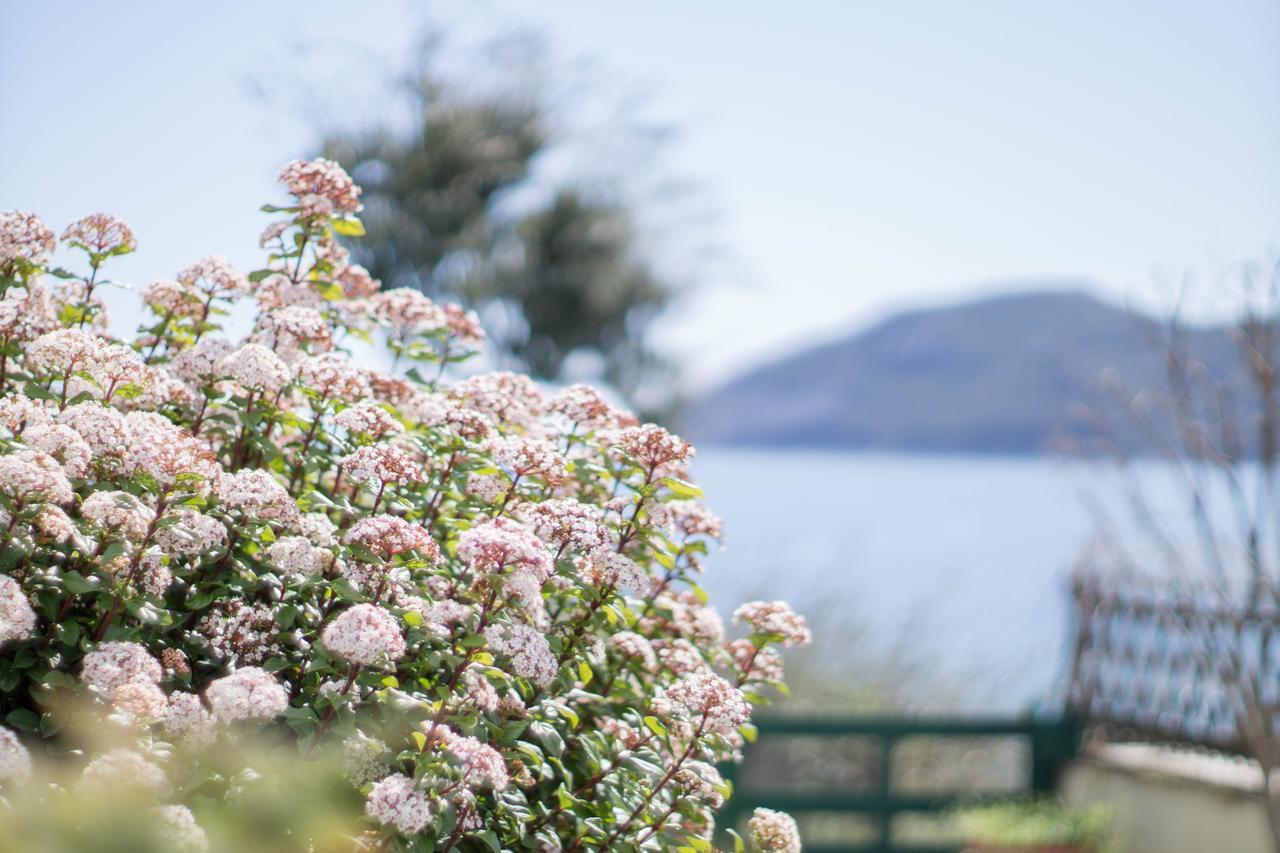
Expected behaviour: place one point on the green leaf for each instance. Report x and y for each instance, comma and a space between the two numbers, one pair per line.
739, 846
348, 226
413, 617
78, 584
655, 725
585, 673
749, 732
682, 488
25, 719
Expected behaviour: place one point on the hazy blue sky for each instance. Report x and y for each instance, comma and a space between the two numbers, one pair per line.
862, 156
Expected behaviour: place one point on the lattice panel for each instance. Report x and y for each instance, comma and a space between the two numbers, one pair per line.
1185, 668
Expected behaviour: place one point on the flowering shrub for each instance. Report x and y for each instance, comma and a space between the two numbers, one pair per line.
482, 593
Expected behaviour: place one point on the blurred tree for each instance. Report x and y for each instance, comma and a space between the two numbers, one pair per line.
566, 269
580, 289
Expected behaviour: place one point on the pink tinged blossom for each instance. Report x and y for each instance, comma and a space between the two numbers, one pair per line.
167, 453
357, 283
17, 412
487, 488
776, 619
15, 759
755, 663
382, 464
174, 299
501, 543
464, 326
292, 326
177, 826
397, 802
23, 237
117, 663
257, 495
201, 364
279, 291
274, 231
26, 314
613, 570
161, 388
774, 831
240, 633
188, 721
154, 576
444, 616
213, 276
295, 556
633, 646
690, 618
503, 397
480, 691
318, 529
709, 701
103, 428
389, 536
701, 781
321, 186
390, 389
654, 448
250, 693
364, 759
62, 352
364, 634
629, 736
123, 767
531, 655
583, 406
569, 524
119, 513
368, 419
100, 234
17, 618
190, 533
116, 366
482, 765
679, 655
407, 312
140, 701
54, 525
693, 518
63, 444
256, 368
31, 476
527, 457
333, 377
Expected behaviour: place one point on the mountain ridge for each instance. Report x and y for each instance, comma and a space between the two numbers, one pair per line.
1017, 372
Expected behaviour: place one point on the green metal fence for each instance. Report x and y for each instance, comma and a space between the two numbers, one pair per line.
1052, 743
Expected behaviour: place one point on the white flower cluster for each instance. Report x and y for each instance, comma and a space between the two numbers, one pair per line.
250, 693
531, 655
364, 634
17, 618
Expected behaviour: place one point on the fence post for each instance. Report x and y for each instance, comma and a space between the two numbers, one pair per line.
1053, 744
885, 818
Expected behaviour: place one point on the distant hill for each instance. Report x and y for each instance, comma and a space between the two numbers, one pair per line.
1009, 374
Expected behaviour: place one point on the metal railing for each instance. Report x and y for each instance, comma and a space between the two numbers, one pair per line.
1156, 662
1052, 743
